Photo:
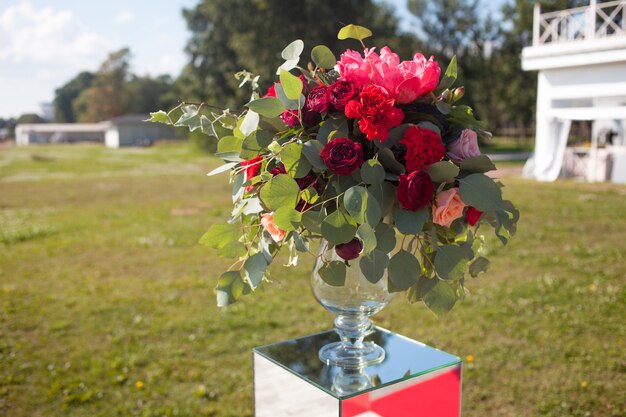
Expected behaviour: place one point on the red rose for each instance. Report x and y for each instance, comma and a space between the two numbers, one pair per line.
350, 250
271, 92
252, 167
342, 156
290, 117
341, 92
472, 215
423, 147
415, 190
317, 100
375, 109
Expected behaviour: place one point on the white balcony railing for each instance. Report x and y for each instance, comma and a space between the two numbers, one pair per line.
598, 20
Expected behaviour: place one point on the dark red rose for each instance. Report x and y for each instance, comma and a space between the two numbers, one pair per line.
278, 169
310, 118
317, 100
423, 147
252, 167
350, 250
342, 156
415, 190
376, 112
290, 117
473, 215
341, 92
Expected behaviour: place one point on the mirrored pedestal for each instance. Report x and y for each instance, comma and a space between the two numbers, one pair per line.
414, 380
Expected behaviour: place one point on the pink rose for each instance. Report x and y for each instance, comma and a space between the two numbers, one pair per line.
405, 81
267, 221
464, 147
448, 207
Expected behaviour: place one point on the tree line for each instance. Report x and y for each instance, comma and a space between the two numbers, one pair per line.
227, 36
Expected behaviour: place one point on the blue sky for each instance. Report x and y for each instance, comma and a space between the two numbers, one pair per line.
44, 43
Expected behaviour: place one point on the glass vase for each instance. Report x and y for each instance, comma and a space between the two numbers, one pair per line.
352, 303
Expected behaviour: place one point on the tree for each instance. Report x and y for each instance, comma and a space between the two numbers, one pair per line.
65, 96
106, 98
231, 35
146, 94
30, 118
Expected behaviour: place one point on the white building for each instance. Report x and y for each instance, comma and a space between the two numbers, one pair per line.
581, 58
128, 130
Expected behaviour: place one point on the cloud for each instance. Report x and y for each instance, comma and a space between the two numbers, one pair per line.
45, 35
124, 17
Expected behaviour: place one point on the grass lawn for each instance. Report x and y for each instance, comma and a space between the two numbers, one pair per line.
107, 305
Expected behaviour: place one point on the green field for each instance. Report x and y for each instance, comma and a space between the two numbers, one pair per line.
107, 305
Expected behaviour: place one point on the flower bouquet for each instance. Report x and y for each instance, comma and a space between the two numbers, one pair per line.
372, 156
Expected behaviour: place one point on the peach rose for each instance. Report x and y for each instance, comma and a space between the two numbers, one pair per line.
448, 207
267, 221
464, 147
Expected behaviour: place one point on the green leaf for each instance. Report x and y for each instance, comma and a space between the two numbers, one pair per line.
443, 171
480, 191
368, 238
255, 144
404, 270
449, 77
478, 265
312, 220
386, 237
443, 107
450, 261
267, 106
301, 243
480, 163
372, 172
287, 102
354, 32
333, 273
280, 191
229, 288
159, 117
291, 84
229, 144
220, 235
387, 158
295, 164
222, 168
374, 265
312, 151
254, 268
362, 205
293, 50
464, 115
190, 118
287, 218
249, 123
385, 194
338, 227
410, 222
329, 125
438, 296
323, 57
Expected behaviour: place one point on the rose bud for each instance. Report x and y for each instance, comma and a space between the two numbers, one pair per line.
350, 250
342, 156
415, 190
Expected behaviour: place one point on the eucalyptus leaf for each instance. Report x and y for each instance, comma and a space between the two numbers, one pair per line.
295, 163
291, 84
222, 168
312, 151
385, 194
312, 220
301, 243
354, 32
372, 172
394, 137
330, 125
338, 227
389, 161
478, 265
254, 268
220, 235
256, 143
438, 296
443, 171
229, 144
404, 270
374, 265
287, 102
368, 238
250, 123
267, 106
410, 222
280, 191
323, 57
385, 237
480, 191
450, 261
333, 273
287, 218
293, 50
480, 163
229, 288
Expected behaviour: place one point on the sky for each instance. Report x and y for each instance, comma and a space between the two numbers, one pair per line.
45, 43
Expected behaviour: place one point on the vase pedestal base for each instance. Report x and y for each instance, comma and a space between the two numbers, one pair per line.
412, 379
